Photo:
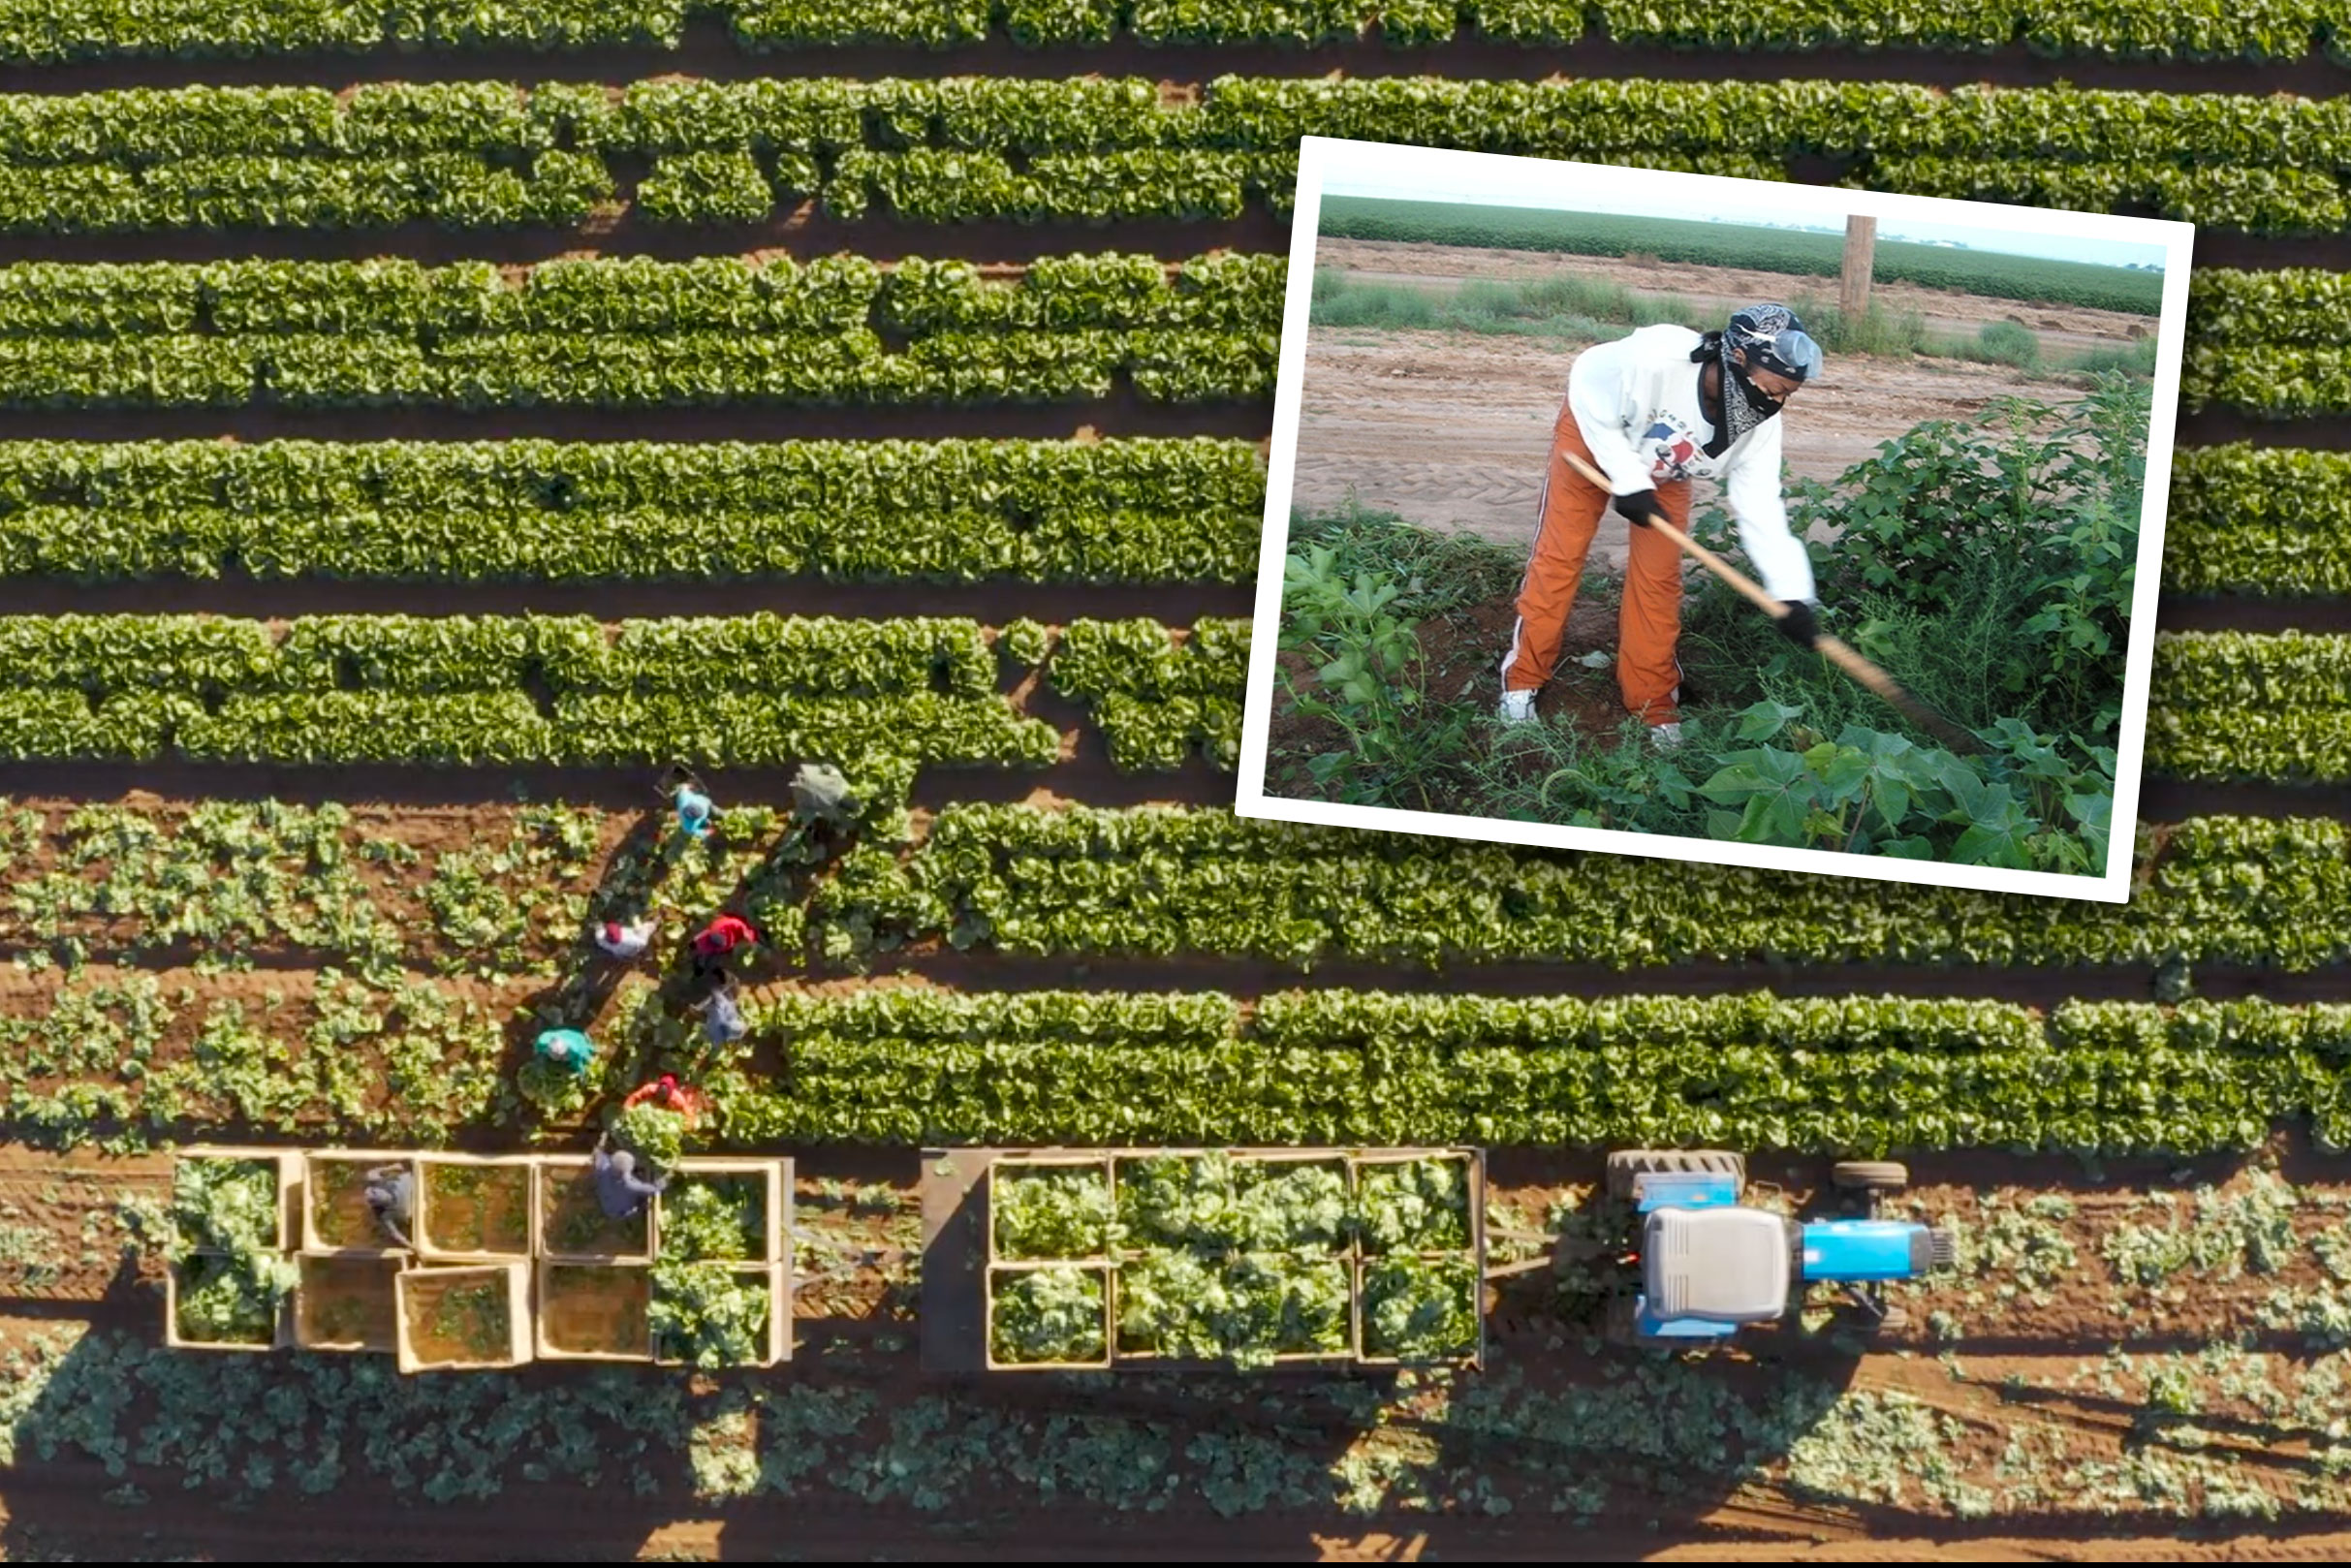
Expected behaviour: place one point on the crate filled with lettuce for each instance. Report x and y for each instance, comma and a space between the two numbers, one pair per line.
1052, 1222
721, 1281
1419, 1218
229, 1276
1176, 1259
1232, 1258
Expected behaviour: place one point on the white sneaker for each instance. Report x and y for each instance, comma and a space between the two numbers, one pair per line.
1517, 707
1666, 737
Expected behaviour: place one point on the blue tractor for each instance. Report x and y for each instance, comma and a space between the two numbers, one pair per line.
1706, 1265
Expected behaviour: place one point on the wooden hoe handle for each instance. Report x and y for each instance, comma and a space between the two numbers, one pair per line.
1839, 654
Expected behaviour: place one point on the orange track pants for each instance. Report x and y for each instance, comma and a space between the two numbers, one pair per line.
1650, 622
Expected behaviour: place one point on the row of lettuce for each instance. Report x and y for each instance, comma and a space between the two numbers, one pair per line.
126, 1058
2244, 520
770, 689
43, 32
637, 332
881, 696
684, 150
378, 888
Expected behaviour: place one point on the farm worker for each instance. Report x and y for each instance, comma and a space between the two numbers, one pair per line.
392, 1197
722, 1014
624, 941
619, 1190
567, 1048
1638, 411
669, 1094
718, 941
693, 812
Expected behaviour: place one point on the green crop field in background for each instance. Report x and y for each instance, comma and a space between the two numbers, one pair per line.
1732, 244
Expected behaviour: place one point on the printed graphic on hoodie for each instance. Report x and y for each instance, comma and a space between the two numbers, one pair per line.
1671, 447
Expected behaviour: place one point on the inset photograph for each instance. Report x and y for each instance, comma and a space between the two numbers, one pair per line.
1715, 519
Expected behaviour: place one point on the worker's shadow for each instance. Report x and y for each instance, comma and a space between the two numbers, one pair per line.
583, 982
780, 880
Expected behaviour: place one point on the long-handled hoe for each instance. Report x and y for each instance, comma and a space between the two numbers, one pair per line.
1838, 653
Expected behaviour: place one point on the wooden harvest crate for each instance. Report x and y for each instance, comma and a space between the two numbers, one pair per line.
348, 1304
776, 1343
336, 1217
192, 1269
568, 1224
1002, 1275
470, 1317
201, 1263
1470, 1258
473, 1208
773, 1179
965, 1261
593, 1311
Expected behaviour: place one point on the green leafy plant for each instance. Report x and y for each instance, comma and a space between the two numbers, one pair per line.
1046, 1315
1245, 1310
459, 1320
1415, 1206
708, 1315
708, 1218
1417, 1309
1366, 678
654, 1133
1052, 1213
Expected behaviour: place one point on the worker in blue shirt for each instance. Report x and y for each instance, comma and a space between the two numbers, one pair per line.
619, 1189
722, 1014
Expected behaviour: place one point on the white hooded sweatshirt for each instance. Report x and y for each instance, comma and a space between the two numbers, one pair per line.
1636, 402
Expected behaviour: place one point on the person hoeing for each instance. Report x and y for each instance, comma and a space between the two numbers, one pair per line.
1650, 411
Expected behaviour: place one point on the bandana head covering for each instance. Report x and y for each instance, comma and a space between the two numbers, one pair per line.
1771, 338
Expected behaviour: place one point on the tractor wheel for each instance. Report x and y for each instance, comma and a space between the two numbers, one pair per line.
1869, 1175
1625, 1165
1894, 1320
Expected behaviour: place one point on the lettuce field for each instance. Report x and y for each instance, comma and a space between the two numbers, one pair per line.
422, 424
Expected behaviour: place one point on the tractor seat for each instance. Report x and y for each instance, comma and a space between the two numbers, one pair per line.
1715, 1264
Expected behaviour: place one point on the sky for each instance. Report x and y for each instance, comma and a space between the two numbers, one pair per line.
1504, 188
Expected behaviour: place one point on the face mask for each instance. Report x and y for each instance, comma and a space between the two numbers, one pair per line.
1744, 405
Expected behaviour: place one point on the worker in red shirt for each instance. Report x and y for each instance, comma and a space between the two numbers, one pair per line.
717, 942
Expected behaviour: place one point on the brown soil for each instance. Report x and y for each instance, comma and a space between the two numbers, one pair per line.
463, 1320
477, 1208
593, 1310
1451, 431
2026, 1365
347, 1304
576, 1222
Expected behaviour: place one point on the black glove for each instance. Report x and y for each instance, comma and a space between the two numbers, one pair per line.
1797, 625
1639, 508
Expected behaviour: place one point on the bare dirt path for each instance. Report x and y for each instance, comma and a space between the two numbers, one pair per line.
1452, 430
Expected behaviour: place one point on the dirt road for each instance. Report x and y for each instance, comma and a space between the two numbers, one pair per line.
1451, 429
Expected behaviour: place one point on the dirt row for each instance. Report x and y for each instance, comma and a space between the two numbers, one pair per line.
2002, 1371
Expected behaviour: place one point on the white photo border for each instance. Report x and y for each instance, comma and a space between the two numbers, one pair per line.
1319, 157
